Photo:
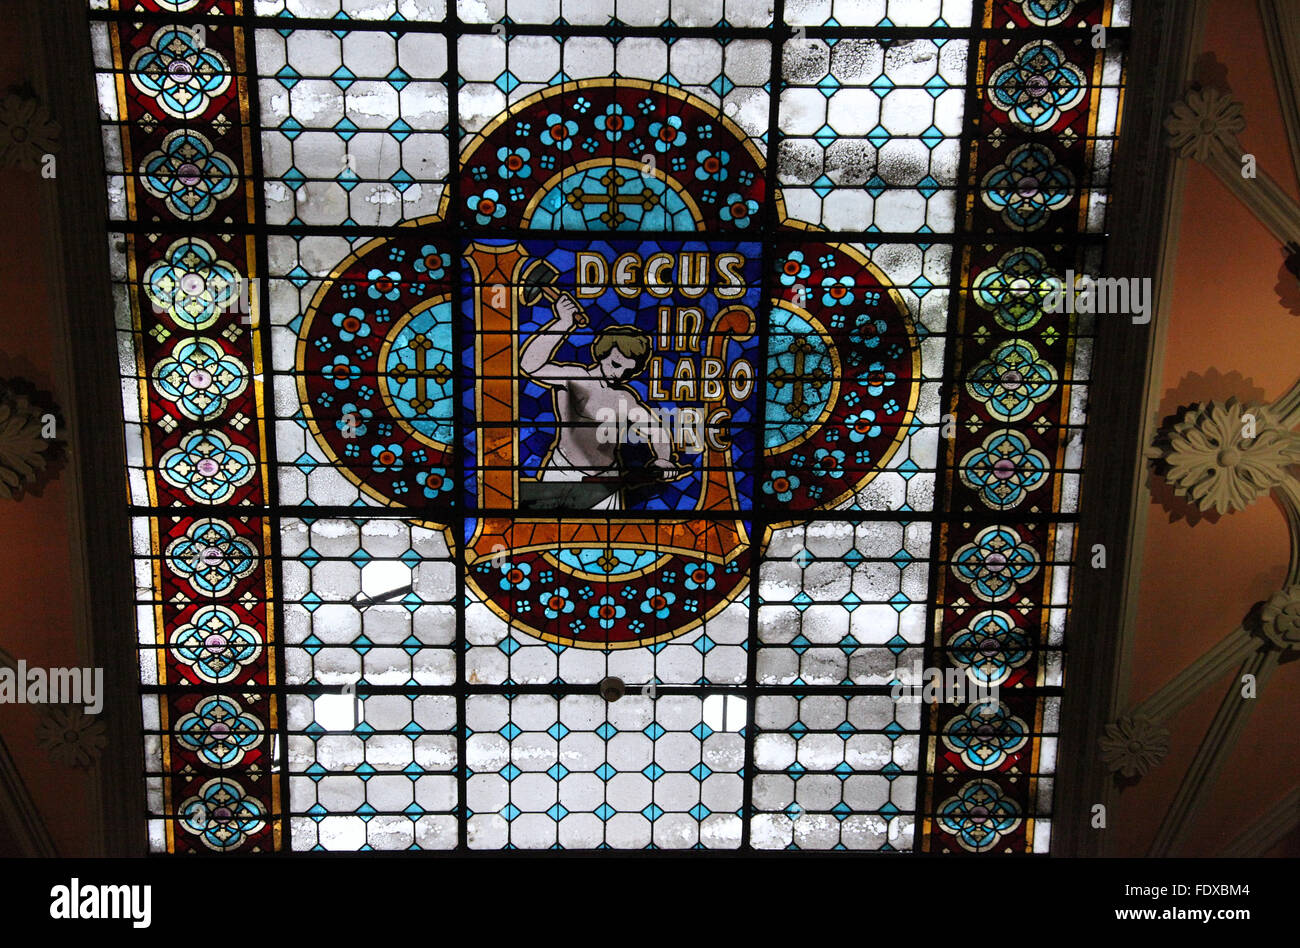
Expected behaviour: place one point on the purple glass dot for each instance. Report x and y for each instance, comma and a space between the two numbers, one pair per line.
1011, 379
977, 813
192, 284
212, 556
188, 174
208, 467
1027, 186
200, 378
1037, 86
984, 730
988, 646
215, 642
1002, 469
221, 730
222, 814
180, 70
995, 562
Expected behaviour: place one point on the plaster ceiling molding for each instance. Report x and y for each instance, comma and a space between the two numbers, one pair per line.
1208, 459
70, 736
1277, 823
19, 813
1204, 120
1224, 456
1204, 125
1211, 757
1281, 21
1135, 742
27, 132
1133, 745
1288, 279
1279, 618
26, 457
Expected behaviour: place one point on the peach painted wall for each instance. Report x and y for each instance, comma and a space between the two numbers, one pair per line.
35, 552
1228, 334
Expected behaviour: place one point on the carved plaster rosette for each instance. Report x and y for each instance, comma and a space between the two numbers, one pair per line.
1133, 745
25, 456
1208, 458
1204, 120
71, 736
1280, 618
27, 133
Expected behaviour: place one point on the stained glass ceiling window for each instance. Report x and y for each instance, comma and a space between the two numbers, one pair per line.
568, 423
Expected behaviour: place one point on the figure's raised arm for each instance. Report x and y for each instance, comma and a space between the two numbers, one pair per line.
536, 358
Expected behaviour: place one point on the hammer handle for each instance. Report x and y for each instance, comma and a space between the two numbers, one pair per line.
552, 294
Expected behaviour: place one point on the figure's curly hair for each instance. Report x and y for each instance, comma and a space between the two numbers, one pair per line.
632, 342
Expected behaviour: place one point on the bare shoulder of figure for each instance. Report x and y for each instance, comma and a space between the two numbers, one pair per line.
561, 374
580, 374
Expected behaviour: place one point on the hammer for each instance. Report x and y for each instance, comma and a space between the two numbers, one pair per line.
537, 283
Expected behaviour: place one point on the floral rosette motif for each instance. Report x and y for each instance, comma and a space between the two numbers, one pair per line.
673, 593
188, 175
376, 349
991, 646
192, 285
1016, 289
984, 735
1003, 470
1038, 87
181, 75
1027, 187
548, 165
219, 732
211, 557
207, 467
840, 375
215, 644
980, 816
996, 562
1023, 13
222, 814
200, 378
